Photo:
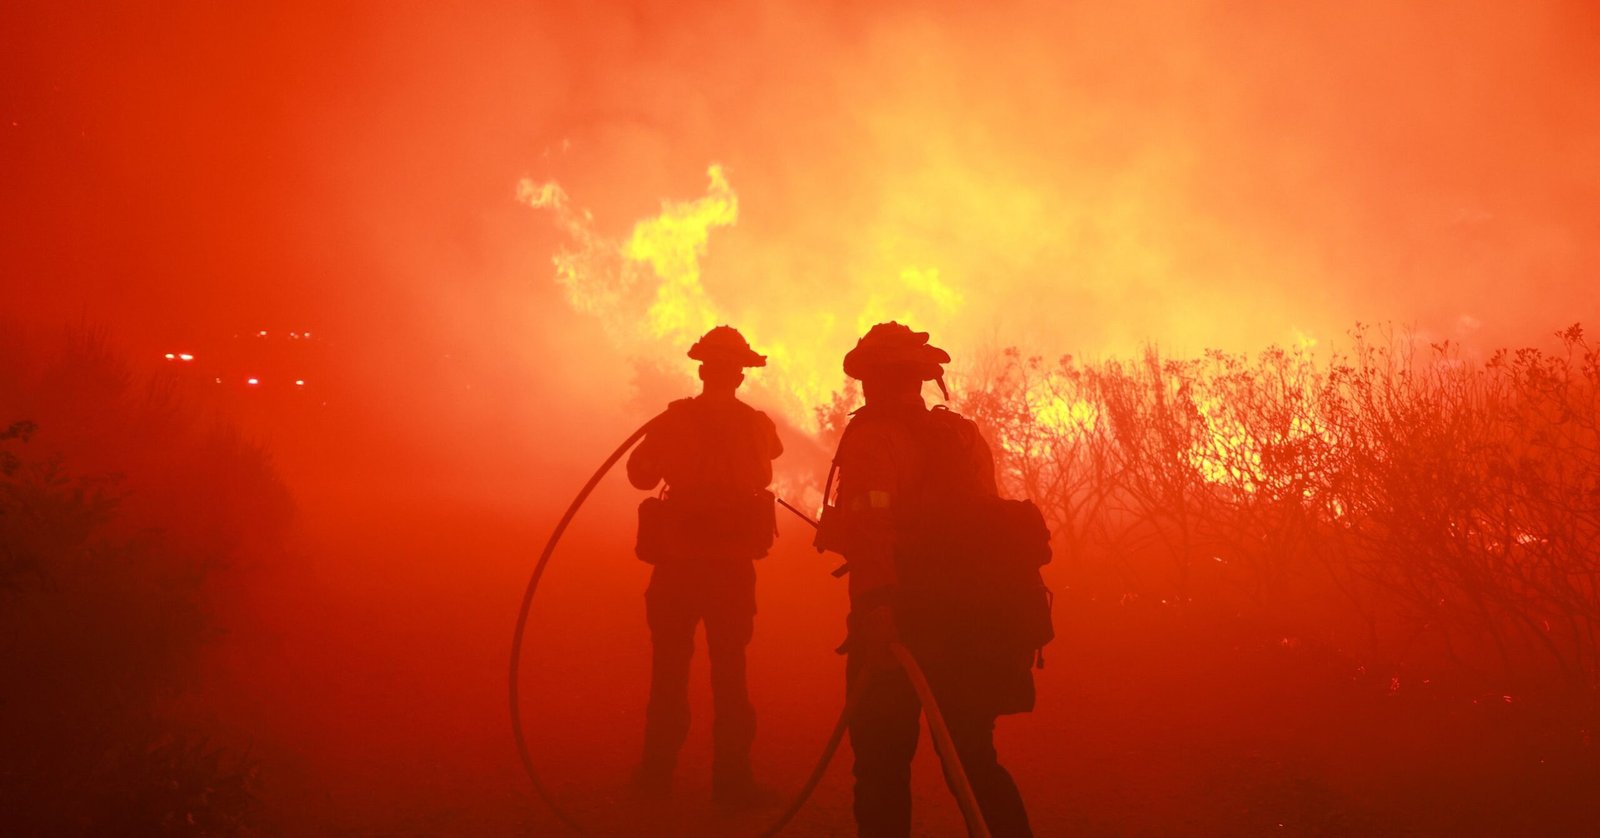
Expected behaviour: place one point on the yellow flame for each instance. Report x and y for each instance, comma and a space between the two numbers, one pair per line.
1230, 453
609, 279
1076, 418
649, 290
673, 244
1227, 453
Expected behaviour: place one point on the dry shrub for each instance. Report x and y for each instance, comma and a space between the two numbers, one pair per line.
1424, 512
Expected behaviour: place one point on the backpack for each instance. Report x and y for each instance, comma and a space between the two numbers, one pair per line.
970, 588
968, 561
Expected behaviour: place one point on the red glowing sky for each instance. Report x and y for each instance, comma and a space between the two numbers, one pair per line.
1221, 174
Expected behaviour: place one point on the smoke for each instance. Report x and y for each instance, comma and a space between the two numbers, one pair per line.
1086, 179
1067, 177
1071, 177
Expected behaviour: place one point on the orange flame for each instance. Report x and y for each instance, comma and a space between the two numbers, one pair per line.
655, 295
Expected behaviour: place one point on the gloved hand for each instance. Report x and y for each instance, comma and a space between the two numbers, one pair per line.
873, 632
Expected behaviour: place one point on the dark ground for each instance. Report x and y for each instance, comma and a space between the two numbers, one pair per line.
372, 681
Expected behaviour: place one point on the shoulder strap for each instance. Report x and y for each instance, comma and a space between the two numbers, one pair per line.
833, 469
943, 437
833, 465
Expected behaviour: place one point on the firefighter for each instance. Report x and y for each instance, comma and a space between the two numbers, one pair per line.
713, 519
905, 471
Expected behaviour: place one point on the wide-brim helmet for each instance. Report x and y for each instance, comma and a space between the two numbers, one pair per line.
891, 348
725, 346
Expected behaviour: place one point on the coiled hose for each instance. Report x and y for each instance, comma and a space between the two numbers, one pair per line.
522, 623
942, 742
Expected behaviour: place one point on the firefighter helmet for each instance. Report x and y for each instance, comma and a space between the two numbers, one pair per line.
724, 345
891, 346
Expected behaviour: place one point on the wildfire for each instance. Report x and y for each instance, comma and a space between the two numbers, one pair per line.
656, 289
672, 246
660, 285
1226, 451
655, 294
1075, 417
1212, 418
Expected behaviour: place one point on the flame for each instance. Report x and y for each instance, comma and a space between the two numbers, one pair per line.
603, 277
1224, 438
1227, 452
1075, 418
655, 294
1230, 452
672, 245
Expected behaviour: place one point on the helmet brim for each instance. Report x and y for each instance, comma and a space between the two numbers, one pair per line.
728, 356
868, 361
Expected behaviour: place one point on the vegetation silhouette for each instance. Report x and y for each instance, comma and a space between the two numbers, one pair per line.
1428, 515
119, 500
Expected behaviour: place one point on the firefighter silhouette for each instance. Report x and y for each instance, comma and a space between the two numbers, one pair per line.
909, 482
702, 533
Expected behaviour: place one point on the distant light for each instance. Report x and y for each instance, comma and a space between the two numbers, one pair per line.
294, 335
185, 356
219, 380
262, 333
253, 381
299, 382
170, 356
305, 334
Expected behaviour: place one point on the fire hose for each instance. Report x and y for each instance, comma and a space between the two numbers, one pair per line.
954, 774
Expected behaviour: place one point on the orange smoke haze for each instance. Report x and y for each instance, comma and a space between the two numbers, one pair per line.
1079, 180
1072, 178
505, 222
